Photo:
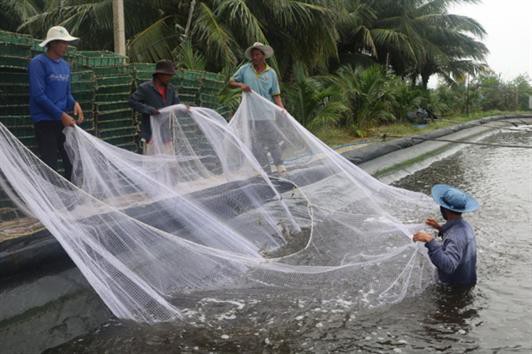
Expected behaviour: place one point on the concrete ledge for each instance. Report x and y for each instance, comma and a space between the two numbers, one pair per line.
372, 151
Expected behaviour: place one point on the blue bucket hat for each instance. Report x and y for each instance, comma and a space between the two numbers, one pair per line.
453, 199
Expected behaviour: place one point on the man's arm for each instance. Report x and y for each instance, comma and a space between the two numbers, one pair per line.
136, 102
237, 80
240, 85
278, 101
447, 257
276, 91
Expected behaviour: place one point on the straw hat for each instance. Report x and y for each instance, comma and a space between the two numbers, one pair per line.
453, 199
57, 33
266, 49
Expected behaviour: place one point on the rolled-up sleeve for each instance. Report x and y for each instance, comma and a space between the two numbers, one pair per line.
447, 256
276, 90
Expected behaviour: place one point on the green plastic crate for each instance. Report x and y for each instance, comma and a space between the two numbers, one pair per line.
111, 70
112, 89
14, 98
22, 130
116, 132
111, 97
14, 50
111, 106
85, 75
16, 38
130, 147
121, 140
115, 124
14, 110
83, 96
15, 121
15, 88
121, 79
113, 115
9, 77
14, 62
99, 58
82, 86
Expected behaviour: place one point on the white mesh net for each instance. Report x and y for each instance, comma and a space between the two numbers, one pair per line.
256, 208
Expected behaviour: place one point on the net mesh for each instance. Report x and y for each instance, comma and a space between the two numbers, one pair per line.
255, 208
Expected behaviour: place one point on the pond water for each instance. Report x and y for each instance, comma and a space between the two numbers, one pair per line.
495, 317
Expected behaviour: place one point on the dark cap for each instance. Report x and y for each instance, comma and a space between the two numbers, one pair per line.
165, 67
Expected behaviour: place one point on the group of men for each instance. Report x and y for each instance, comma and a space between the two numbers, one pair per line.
53, 108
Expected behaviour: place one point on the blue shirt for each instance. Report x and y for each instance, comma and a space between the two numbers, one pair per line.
264, 83
50, 94
456, 257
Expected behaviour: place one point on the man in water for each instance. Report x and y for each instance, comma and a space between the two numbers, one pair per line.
455, 257
258, 76
51, 101
151, 96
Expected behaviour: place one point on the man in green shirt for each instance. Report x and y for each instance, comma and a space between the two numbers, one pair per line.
259, 77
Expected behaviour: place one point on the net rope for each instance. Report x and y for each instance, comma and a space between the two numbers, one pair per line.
257, 208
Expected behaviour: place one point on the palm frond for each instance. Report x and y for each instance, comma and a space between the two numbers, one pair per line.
155, 42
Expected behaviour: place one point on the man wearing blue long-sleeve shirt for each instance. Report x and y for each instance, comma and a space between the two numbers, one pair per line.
455, 257
51, 98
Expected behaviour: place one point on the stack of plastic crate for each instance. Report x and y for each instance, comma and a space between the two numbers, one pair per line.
15, 54
212, 85
113, 117
200, 88
188, 84
83, 85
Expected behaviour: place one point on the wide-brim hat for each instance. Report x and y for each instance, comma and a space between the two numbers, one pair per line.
454, 199
165, 67
266, 49
58, 33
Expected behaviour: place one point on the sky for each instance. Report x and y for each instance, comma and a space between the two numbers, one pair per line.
508, 24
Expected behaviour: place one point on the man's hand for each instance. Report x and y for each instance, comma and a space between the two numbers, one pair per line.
245, 88
422, 236
67, 120
433, 223
78, 112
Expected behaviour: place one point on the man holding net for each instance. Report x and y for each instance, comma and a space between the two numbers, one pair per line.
151, 96
51, 101
455, 257
258, 76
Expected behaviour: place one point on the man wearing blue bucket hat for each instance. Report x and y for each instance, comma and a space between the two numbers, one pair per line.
455, 257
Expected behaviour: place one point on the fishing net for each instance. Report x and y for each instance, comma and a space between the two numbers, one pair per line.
255, 209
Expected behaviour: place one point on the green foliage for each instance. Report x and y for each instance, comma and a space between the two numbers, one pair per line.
312, 103
345, 64
186, 57
367, 93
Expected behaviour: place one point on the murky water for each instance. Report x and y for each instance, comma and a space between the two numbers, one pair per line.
496, 316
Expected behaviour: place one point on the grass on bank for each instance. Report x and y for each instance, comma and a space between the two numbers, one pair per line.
341, 136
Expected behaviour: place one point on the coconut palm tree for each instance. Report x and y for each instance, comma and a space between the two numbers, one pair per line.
367, 93
219, 31
412, 37
312, 102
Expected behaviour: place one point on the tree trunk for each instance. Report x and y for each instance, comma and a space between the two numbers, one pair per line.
119, 27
